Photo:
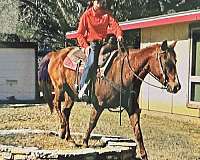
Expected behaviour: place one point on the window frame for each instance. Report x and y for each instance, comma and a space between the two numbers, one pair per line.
192, 79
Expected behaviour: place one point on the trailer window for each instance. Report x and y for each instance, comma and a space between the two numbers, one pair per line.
195, 67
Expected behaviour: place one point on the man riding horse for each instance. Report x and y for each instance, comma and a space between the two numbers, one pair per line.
92, 30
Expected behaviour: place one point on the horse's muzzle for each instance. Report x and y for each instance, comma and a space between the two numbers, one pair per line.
173, 88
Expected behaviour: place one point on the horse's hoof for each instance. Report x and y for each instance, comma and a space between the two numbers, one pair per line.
144, 157
85, 144
71, 143
62, 135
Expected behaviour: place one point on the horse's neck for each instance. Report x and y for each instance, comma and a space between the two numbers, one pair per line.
138, 62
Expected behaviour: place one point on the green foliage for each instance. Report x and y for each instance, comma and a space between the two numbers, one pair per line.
47, 21
8, 16
25, 31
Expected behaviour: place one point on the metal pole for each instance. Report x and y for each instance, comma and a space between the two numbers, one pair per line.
120, 96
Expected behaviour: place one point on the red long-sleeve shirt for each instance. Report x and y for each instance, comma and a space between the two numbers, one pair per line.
94, 25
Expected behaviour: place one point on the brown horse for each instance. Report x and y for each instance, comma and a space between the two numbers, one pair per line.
126, 74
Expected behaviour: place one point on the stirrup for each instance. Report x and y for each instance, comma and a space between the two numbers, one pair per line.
102, 75
102, 72
85, 98
76, 87
82, 91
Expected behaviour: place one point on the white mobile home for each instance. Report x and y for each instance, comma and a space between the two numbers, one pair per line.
18, 72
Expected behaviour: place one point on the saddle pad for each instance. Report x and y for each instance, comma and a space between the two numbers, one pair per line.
72, 60
68, 63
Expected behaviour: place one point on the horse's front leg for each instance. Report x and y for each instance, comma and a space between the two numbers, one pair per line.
135, 123
95, 114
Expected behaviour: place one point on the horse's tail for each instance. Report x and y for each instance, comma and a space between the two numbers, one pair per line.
44, 80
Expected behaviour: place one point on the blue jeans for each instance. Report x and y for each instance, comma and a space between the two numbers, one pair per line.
91, 64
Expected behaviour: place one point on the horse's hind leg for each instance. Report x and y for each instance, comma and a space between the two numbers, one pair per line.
66, 113
135, 123
57, 105
95, 114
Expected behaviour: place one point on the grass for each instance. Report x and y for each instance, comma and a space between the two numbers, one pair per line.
166, 136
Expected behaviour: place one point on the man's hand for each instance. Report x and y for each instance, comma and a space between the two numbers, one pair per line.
120, 39
86, 50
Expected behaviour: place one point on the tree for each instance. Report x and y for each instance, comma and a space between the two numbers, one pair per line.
47, 21
8, 18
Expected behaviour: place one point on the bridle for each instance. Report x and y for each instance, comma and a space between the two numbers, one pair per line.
124, 90
158, 57
164, 74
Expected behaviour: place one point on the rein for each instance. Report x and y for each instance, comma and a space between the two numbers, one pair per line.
119, 88
138, 77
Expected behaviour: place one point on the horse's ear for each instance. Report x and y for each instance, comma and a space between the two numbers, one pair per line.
164, 46
173, 44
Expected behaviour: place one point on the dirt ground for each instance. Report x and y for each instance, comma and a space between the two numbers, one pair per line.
166, 136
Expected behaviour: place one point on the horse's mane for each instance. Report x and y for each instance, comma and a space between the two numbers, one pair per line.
135, 51
141, 51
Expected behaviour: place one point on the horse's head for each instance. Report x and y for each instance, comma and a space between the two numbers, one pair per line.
164, 67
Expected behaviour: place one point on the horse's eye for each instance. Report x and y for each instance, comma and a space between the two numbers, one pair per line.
165, 56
